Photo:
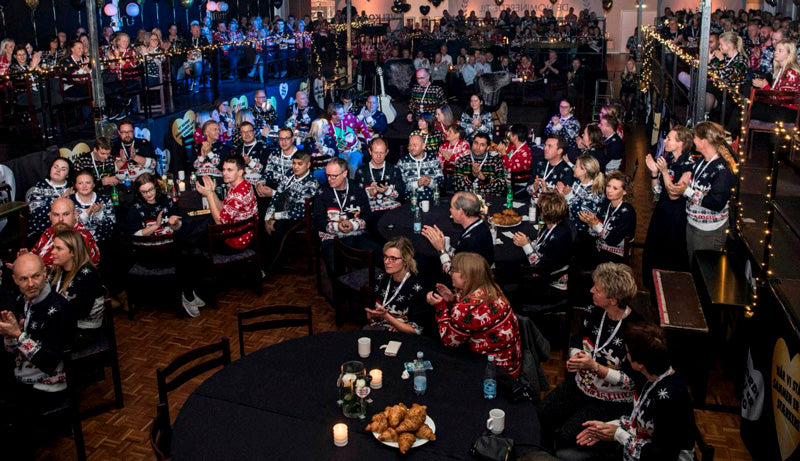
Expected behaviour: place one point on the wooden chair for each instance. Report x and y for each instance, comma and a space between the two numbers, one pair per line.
69, 102
69, 407
28, 110
353, 273
771, 97
302, 229
161, 434
205, 363
149, 104
104, 352
270, 318
222, 256
155, 257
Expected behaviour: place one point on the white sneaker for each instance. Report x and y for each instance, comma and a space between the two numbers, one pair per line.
197, 301
190, 307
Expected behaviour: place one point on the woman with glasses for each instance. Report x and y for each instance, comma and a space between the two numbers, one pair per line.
564, 124
400, 298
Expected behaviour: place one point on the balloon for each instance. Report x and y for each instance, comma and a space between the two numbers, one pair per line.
424, 9
608, 4
500, 2
78, 5
406, 7
396, 8
110, 10
553, 1
32, 4
436, 3
132, 9
211, 5
222, 6
187, 3
277, 3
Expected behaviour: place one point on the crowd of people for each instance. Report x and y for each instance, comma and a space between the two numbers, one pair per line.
255, 165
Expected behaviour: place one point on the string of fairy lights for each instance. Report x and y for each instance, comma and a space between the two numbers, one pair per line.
653, 40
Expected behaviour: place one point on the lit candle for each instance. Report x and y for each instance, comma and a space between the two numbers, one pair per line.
377, 379
340, 434
182, 186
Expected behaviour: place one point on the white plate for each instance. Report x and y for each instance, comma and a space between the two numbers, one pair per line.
419, 441
505, 226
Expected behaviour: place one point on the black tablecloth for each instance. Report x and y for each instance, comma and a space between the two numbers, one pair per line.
400, 222
280, 403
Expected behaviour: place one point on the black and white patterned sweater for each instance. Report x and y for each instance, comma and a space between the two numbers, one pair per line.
708, 194
289, 199
388, 174
100, 223
332, 206
39, 198
412, 170
615, 224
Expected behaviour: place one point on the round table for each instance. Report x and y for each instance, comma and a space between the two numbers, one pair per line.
400, 223
280, 403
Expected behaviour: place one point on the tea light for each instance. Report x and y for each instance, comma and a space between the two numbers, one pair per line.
377, 379
182, 186
340, 434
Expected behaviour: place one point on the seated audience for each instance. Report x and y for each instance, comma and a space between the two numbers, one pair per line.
78, 281
100, 163
421, 171
381, 180
253, 151
425, 129
211, 153
553, 168
239, 204
300, 114
348, 131
465, 210
444, 119
453, 148
477, 314
663, 406
42, 195
786, 78
399, 298
586, 194
132, 156
602, 387
372, 117
475, 120
322, 148
482, 171
263, 113
615, 146
591, 143
564, 124
279, 164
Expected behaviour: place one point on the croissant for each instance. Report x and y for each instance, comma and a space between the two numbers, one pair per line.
425, 432
379, 423
389, 435
417, 409
405, 441
411, 423
396, 414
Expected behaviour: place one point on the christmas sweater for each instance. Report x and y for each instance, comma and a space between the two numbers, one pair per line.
581, 198
239, 205
733, 71
263, 117
788, 80
40, 197
289, 199
425, 100
617, 386
85, 296
494, 183
347, 133
550, 254
663, 428
432, 141
615, 224
143, 214
489, 327
100, 223
321, 151
44, 246
332, 206
404, 302
412, 170
210, 164
130, 169
255, 157
469, 129
278, 167
449, 155
708, 194
518, 159
300, 119
46, 333
99, 168
551, 174
676, 168
568, 127
388, 174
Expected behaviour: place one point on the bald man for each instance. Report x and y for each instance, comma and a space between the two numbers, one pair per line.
36, 330
425, 97
300, 114
64, 216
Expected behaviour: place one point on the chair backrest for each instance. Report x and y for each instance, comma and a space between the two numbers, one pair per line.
346, 259
154, 250
490, 86
219, 233
161, 434
272, 317
771, 97
311, 236
165, 384
627, 250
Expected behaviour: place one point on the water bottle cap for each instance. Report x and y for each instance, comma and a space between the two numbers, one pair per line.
419, 354
491, 358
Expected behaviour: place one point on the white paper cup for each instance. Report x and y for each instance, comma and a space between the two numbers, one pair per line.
364, 347
537, 140
497, 421
425, 205
446, 242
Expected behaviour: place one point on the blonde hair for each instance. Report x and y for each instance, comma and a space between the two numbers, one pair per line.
74, 242
477, 275
4, 46
685, 136
316, 130
243, 115
617, 281
592, 167
734, 39
715, 134
791, 60
406, 248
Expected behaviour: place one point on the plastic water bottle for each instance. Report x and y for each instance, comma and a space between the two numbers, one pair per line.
417, 220
436, 195
490, 380
127, 179
420, 378
413, 199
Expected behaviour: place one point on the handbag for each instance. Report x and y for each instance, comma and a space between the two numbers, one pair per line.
493, 447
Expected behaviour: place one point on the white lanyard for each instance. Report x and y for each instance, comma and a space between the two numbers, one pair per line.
469, 229
605, 221
248, 150
422, 99
637, 407
94, 164
27, 309
610, 338
346, 193
58, 283
543, 237
419, 165
485, 156
396, 291
548, 171
383, 172
55, 188
515, 151
125, 149
698, 172
777, 78
730, 60
283, 168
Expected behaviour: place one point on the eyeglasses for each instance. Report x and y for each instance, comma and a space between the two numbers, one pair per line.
151, 190
335, 175
283, 138
391, 259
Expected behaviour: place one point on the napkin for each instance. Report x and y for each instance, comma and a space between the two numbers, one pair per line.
391, 348
517, 204
508, 234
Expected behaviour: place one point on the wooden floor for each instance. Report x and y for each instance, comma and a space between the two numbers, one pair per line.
160, 334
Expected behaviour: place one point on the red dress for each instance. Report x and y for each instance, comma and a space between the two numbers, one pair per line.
490, 327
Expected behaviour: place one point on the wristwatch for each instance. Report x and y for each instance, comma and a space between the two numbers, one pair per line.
442, 251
